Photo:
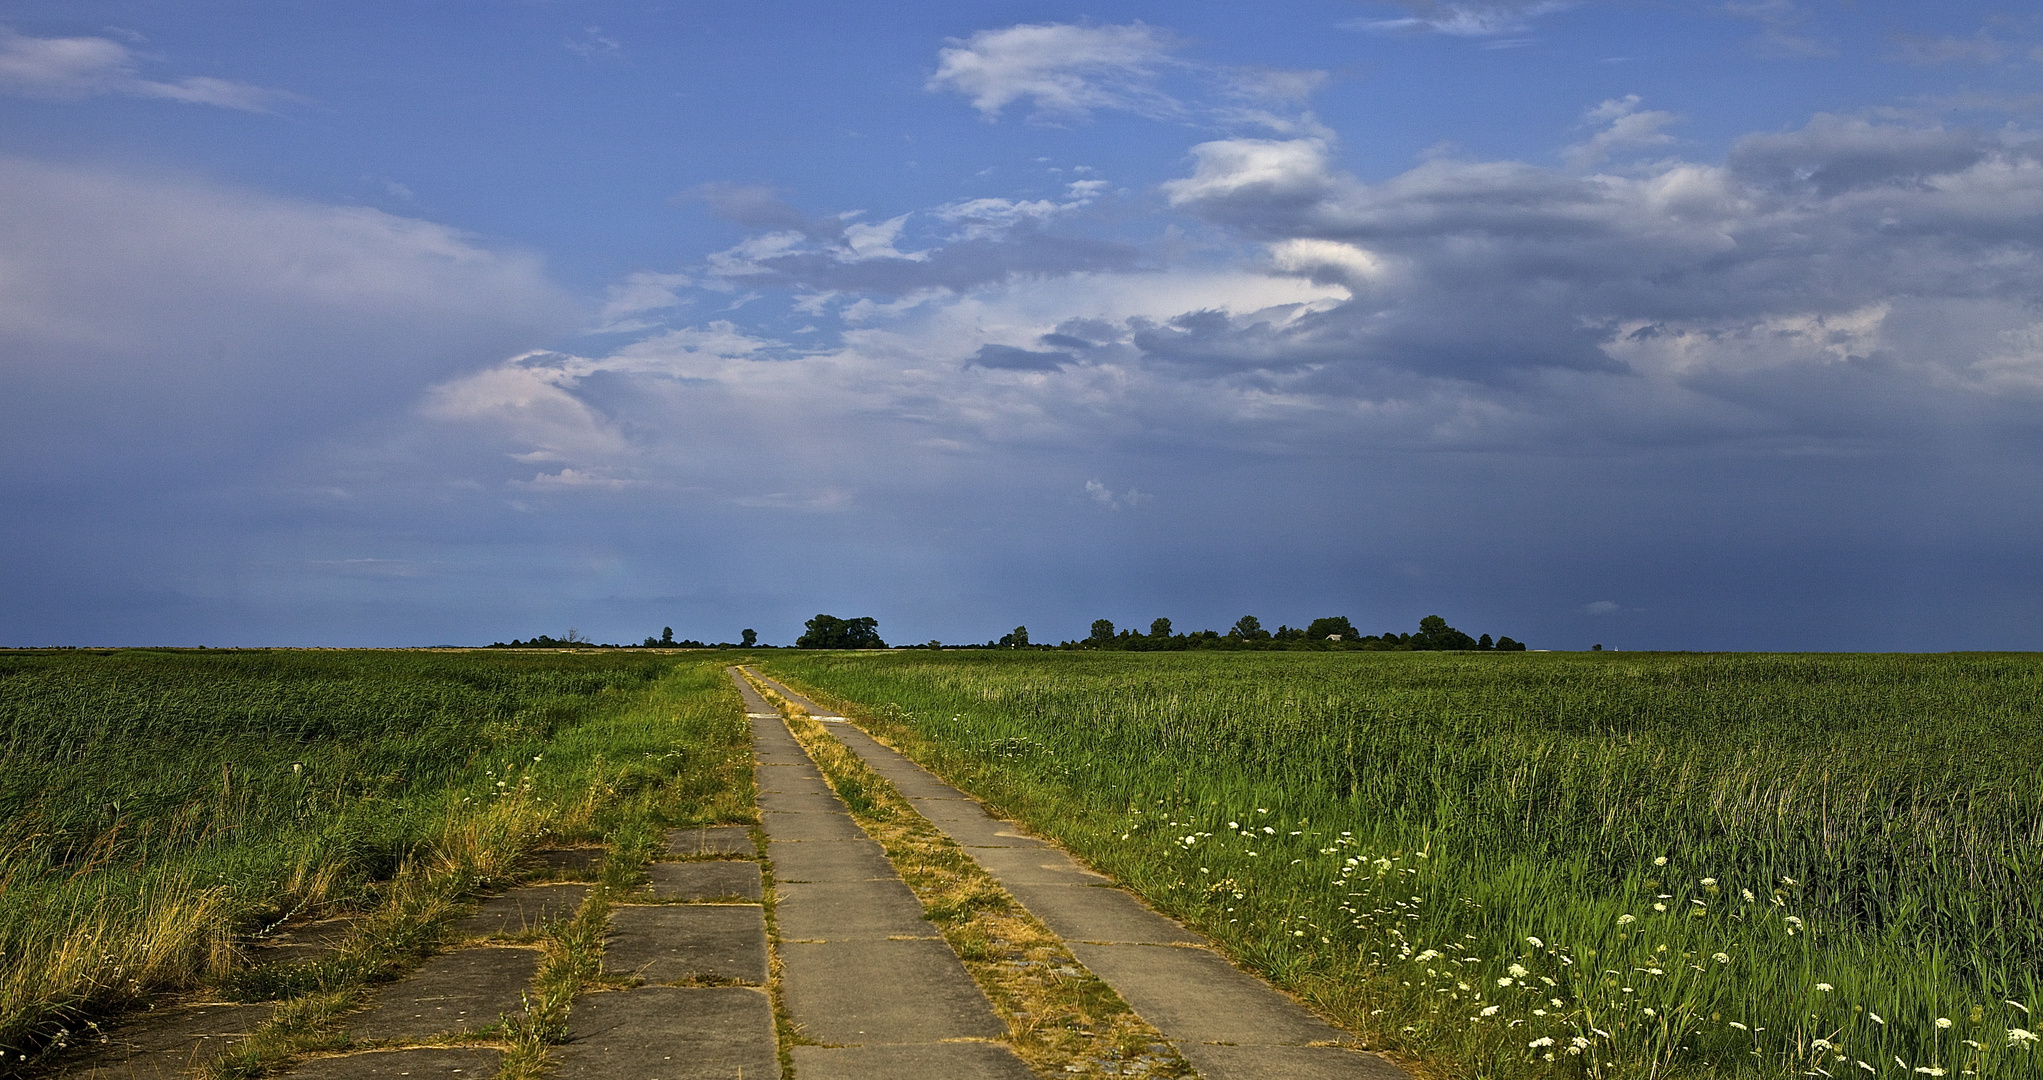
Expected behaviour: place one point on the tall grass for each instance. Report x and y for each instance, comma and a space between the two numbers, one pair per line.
1610, 865
160, 806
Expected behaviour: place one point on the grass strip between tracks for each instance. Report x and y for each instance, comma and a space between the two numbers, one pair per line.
1061, 1019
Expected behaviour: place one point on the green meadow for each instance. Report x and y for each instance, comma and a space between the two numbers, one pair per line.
162, 807
1546, 864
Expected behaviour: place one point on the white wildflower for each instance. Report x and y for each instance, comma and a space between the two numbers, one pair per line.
1722, 958
1518, 970
1661, 861
1825, 987
1535, 943
1543, 1040
1626, 919
1944, 1022
1491, 1010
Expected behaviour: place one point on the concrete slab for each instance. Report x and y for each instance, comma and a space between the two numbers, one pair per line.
870, 992
443, 1063
722, 880
950, 1061
712, 840
456, 991
669, 1033
828, 860
1097, 913
676, 944
522, 910
1034, 864
819, 801
793, 780
848, 910
810, 826
163, 1043
566, 863
308, 940
1287, 1063
1192, 995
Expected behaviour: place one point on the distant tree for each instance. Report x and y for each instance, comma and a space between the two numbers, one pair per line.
666, 635
1505, 644
1102, 632
830, 632
1159, 628
1484, 642
1336, 627
575, 637
751, 637
1434, 633
1249, 628
1595, 648
1018, 638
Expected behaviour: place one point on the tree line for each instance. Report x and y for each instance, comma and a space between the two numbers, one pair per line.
1335, 632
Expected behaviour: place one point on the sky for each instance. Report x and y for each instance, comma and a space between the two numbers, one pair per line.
1654, 324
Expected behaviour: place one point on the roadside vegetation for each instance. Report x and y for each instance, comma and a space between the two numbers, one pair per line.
1608, 865
162, 808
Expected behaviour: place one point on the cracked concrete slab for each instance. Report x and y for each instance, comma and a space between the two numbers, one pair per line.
847, 910
522, 910
429, 1063
1217, 1062
455, 991
1193, 995
810, 825
1102, 914
720, 880
867, 992
163, 1043
681, 943
950, 1061
669, 1033
712, 840
828, 860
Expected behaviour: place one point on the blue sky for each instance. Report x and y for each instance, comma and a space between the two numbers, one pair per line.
1657, 325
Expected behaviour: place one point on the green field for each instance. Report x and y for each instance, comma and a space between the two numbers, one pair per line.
1520, 865
162, 806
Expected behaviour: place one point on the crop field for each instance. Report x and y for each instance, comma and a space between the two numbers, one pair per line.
1529, 865
161, 806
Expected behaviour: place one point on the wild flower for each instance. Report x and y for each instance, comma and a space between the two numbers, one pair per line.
2021, 1037
1825, 987
1535, 943
1944, 1022
1543, 1040
1709, 883
1491, 1010
1722, 958
1661, 861
1626, 919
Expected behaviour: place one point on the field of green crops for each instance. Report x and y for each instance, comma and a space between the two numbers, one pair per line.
1540, 864
158, 807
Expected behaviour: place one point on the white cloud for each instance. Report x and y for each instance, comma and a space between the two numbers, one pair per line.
204, 320
1625, 127
638, 293
1272, 168
70, 69
1328, 258
1463, 18
1601, 607
1065, 71
1107, 497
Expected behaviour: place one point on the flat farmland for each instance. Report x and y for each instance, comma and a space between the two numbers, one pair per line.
164, 809
1545, 864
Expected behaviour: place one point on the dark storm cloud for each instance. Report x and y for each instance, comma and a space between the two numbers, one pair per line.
1465, 267
1009, 358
